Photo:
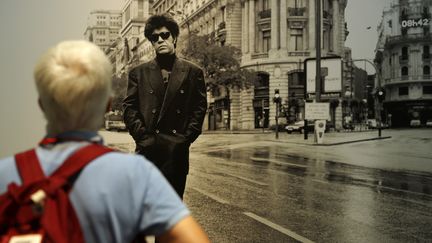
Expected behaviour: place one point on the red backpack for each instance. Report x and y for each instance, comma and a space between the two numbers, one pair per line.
39, 210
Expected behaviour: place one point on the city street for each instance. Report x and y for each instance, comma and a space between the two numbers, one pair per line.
254, 188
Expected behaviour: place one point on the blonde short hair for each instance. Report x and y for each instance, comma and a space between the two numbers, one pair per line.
73, 80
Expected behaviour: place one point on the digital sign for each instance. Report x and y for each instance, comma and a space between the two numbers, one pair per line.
412, 23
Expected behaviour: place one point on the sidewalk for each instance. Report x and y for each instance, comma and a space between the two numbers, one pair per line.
330, 138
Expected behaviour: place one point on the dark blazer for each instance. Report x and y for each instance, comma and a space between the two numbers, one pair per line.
164, 125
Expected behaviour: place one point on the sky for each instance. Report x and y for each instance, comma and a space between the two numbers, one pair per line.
28, 28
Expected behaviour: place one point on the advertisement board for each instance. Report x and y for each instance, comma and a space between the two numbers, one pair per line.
331, 75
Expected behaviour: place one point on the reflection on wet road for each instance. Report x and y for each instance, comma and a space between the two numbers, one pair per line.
285, 197
272, 158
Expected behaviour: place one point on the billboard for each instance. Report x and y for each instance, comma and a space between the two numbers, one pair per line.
331, 75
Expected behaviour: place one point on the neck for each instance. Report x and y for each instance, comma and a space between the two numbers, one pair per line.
166, 61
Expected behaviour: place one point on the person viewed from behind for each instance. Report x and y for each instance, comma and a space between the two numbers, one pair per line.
166, 103
117, 197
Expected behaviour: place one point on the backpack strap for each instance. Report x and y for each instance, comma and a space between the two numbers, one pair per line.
30, 170
28, 166
80, 159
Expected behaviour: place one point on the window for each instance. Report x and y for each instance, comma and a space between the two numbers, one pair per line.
404, 53
426, 70
223, 13
297, 39
265, 5
426, 52
141, 8
403, 91
296, 78
427, 89
404, 71
266, 45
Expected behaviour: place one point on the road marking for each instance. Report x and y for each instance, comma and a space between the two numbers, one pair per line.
277, 227
248, 180
274, 161
232, 175
210, 195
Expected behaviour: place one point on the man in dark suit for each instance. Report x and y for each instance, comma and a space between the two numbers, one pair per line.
165, 103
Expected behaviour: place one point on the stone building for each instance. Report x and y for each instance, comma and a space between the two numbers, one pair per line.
277, 36
103, 27
404, 59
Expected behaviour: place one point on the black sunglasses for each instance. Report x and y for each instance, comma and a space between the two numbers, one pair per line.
155, 37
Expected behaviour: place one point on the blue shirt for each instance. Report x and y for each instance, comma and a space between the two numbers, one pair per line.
115, 197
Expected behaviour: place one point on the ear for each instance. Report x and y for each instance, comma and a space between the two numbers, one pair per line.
40, 104
109, 105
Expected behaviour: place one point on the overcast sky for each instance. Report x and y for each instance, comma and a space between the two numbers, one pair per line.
28, 28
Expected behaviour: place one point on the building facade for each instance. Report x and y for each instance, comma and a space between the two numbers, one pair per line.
103, 27
277, 36
221, 20
404, 59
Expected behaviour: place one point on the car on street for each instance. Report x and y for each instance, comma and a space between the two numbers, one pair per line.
415, 123
114, 121
295, 127
373, 123
298, 126
429, 123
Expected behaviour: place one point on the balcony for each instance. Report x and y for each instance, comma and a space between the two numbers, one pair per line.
298, 53
403, 59
260, 55
404, 79
296, 11
265, 14
407, 39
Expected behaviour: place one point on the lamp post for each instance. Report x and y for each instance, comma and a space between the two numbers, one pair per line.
277, 99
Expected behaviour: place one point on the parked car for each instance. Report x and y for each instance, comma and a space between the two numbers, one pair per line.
299, 127
415, 123
429, 123
114, 121
372, 123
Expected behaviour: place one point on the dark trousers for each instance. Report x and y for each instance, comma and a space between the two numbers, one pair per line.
178, 182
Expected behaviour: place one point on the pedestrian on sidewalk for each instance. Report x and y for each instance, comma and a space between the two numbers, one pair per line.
117, 197
165, 103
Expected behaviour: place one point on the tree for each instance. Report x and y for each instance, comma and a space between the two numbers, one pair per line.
221, 64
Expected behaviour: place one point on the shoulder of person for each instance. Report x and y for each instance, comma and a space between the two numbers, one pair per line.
126, 160
142, 65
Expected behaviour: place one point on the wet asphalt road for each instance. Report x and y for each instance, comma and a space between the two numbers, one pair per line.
248, 188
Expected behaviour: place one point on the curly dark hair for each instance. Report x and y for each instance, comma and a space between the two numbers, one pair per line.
161, 20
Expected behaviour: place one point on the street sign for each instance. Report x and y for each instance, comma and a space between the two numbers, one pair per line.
317, 111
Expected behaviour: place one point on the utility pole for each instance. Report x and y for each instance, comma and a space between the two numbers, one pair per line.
318, 51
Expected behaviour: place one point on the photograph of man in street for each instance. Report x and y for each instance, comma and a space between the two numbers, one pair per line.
165, 104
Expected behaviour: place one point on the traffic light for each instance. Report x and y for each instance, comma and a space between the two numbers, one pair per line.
380, 94
276, 99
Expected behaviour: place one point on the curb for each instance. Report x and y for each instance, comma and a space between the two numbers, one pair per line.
353, 141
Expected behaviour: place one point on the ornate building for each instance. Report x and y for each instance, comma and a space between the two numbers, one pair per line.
277, 36
404, 58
